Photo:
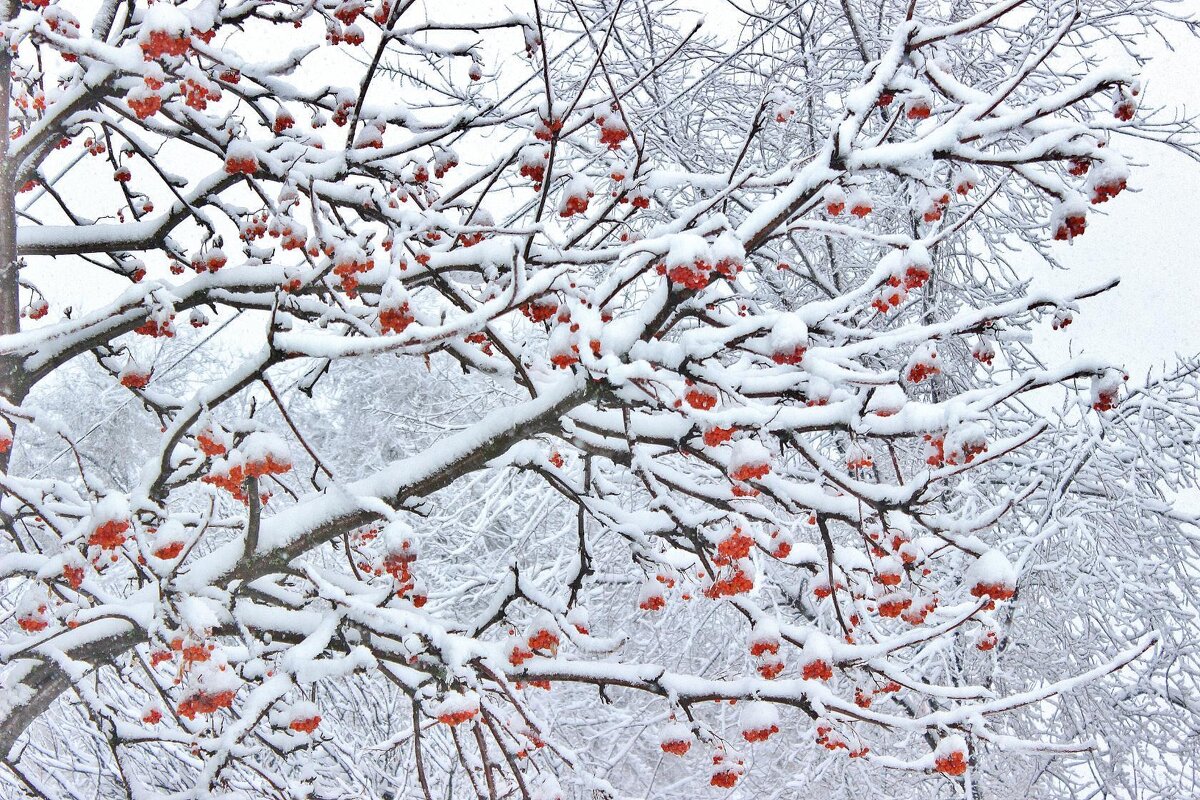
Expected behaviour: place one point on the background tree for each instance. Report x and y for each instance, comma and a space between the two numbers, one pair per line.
575, 403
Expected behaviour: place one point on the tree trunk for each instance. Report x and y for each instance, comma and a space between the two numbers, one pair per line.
11, 385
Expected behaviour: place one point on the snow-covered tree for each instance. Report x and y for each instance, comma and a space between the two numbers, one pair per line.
578, 402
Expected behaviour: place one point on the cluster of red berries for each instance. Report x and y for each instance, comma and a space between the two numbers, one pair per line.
34, 621
398, 564
1103, 192
984, 352
192, 652
574, 204
863, 698
612, 130
169, 550
753, 735
36, 309
653, 598
547, 129
966, 451
782, 545
348, 269
765, 650
716, 436
109, 535
732, 548
565, 359
694, 276
750, 471
953, 763
481, 339
889, 573
859, 458
205, 703
196, 95
637, 198
832, 740
395, 320
519, 653
165, 43
725, 773
1106, 400
935, 450
291, 238
890, 296
243, 164
211, 261
700, 398
816, 669
1124, 108
916, 613
543, 639
790, 357
535, 171
457, 717
896, 287
283, 121
764, 645
915, 276
209, 444
157, 327
823, 589
922, 370
541, 309
73, 575
443, 162
306, 725
349, 10
994, 591
234, 478
936, 207
676, 747
341, 114
1072, 225
135, 378
351, 35
894, 604
738, 582
917, 108
254, 227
